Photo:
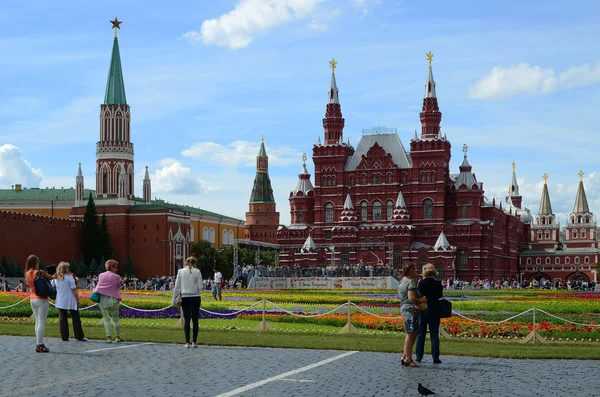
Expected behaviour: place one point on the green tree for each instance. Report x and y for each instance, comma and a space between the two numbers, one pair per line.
204, 253
104, 247
3, 265
93, 266
82, 268
267, 258
19, 271
130, 267
11, 269
90, 232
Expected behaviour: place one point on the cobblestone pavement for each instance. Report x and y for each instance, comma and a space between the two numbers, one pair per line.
96, 368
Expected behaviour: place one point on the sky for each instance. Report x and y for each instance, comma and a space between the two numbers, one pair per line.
207, 79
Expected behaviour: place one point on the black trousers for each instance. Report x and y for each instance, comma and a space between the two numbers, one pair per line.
191, 309
63, 324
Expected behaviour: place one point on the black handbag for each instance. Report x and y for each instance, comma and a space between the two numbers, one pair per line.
445, 308
43, 287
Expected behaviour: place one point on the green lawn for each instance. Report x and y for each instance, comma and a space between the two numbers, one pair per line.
309, 340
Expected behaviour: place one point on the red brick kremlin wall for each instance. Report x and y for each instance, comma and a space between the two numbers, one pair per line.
51, 239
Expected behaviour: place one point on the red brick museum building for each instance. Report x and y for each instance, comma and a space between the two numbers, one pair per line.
380, 205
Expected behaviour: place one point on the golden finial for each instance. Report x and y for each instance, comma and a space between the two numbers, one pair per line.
429, 57
580, 176
304, 158
333, 63
545, 176
465, 149
263, 138
514, 165
116, 25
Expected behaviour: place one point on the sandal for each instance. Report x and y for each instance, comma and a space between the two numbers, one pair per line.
403, 362
411, 363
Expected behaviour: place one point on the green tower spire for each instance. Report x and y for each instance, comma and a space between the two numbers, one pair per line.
262, 192
115, 87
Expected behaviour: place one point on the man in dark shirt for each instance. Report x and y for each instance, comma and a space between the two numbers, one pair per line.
432, 289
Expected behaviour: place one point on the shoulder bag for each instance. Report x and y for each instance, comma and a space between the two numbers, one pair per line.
43, 287
95, 297
445, 308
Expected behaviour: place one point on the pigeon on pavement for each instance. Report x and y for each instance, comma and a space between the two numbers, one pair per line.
423, 391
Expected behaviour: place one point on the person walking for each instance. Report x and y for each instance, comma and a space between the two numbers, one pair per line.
108, 287
408, 299
67, 301
188, 285
39, 304
432, 289
216, 290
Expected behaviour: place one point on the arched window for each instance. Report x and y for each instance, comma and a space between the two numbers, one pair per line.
538, 261
579, 219
574, 233
390, 209
389, 178
463, 259
398, 258
404, 177
105, 182
529, 261
547, 233
333, 181
464, 210
351, 180
577, 260
364, 179
539, 234
433, 180
225, 238
329, 212
211, 235
377, 211
582, 233
586, 259
300, 216
363, 211
567, 260
547, 260
427, 209
423, 177
205, 233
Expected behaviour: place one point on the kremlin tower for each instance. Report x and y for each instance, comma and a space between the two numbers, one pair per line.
262, 220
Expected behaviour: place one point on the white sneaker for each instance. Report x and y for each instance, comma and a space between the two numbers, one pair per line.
194, 345
186, 345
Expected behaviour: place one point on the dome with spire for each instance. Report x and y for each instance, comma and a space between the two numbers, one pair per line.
304, 185
466, 179
400, 211
348, 214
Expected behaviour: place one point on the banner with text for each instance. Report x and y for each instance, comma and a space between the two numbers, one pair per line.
323, 282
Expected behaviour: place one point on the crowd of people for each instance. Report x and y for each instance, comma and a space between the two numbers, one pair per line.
543, 283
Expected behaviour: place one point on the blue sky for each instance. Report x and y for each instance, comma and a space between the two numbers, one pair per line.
206, 79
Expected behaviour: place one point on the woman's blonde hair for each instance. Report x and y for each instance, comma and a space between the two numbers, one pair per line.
429, 270
408, 268
110, 264
61, 270
191, 262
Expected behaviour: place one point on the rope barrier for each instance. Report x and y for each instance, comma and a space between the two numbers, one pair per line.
14, 304
568, 321
81, 308
375, 315
146, 310
491, 322
307, 315
230, 314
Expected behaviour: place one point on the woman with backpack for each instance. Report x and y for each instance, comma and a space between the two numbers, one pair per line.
39, 304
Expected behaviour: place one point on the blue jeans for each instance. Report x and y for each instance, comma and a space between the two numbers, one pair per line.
434, 332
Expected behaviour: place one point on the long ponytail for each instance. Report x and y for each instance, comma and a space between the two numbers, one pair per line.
191, 262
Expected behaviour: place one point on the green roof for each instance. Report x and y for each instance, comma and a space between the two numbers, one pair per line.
157, 205
115, 87
262, 152
33, 194
42, 194
262, 192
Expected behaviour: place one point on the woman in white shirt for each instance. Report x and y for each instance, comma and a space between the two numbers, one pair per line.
189, 284
67, 300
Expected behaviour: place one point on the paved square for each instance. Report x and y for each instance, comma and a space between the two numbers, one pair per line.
96, 368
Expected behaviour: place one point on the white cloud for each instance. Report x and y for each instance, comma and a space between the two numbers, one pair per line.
365, 5
314, 25
238, 28
174, 178
240, 153
532, 80
14, 169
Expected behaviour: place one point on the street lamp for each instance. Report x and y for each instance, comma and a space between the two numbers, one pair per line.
215, 257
